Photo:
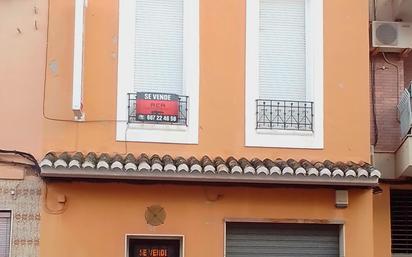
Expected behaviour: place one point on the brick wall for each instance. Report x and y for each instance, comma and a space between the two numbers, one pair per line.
387, 92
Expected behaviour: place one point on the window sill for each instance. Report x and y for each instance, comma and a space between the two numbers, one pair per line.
156, 133
284, 132
284, 139
161, 127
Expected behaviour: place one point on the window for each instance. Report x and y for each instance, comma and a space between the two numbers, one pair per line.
154, 246
401, 221
284, 73
158, 57
5, 220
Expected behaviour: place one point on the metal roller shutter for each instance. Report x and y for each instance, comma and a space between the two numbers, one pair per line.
282, 50
159, 46
281, 240
401, 221
4, 233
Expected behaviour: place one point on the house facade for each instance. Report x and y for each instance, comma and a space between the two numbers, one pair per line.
202, 128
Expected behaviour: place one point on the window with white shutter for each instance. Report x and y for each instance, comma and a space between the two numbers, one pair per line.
284, 73
282, 68
158, 57
5, 225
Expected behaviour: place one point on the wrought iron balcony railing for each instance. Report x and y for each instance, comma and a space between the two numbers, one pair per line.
158, 117
404, 112
284, 115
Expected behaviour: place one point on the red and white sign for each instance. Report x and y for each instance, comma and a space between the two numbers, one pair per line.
157, 107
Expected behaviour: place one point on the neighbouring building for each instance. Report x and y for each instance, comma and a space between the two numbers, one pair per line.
391, 84
20, 197
22, 61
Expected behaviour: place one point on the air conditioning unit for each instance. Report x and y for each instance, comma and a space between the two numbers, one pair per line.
391, 36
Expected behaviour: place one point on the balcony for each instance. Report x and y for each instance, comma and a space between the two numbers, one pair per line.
403, 155
284, 115
171, 112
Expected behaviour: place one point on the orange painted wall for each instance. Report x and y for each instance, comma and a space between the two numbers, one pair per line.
222, 52
98, 216
22, 61
382, 222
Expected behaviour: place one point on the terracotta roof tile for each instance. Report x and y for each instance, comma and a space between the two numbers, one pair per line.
211, 169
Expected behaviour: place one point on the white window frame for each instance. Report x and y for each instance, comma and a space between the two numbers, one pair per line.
10, 211
314, 81
158, 133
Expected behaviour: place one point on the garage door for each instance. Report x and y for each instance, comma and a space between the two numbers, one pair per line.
281, 240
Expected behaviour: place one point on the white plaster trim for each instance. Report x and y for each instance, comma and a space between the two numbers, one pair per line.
342, 242
325, 172
130, 166
300, 171
60, 163
156, 167
362, 172
313, 172
74, 163
314, 76
116, 165
196, 168
222, 168
163, 133
287, 170
376, 173
183, 168
170, 168
262, 170
275, 170
209, 168
350, 173
77, 96
103, 165
236, 169
46, 163
249, 170
338, 173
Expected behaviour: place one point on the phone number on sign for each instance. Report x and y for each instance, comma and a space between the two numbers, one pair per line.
157, 118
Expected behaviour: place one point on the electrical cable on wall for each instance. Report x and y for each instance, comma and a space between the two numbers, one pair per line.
45, 116
397, 75
25, 155
373, 95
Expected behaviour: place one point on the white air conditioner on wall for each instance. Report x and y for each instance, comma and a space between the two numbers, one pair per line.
391, 36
